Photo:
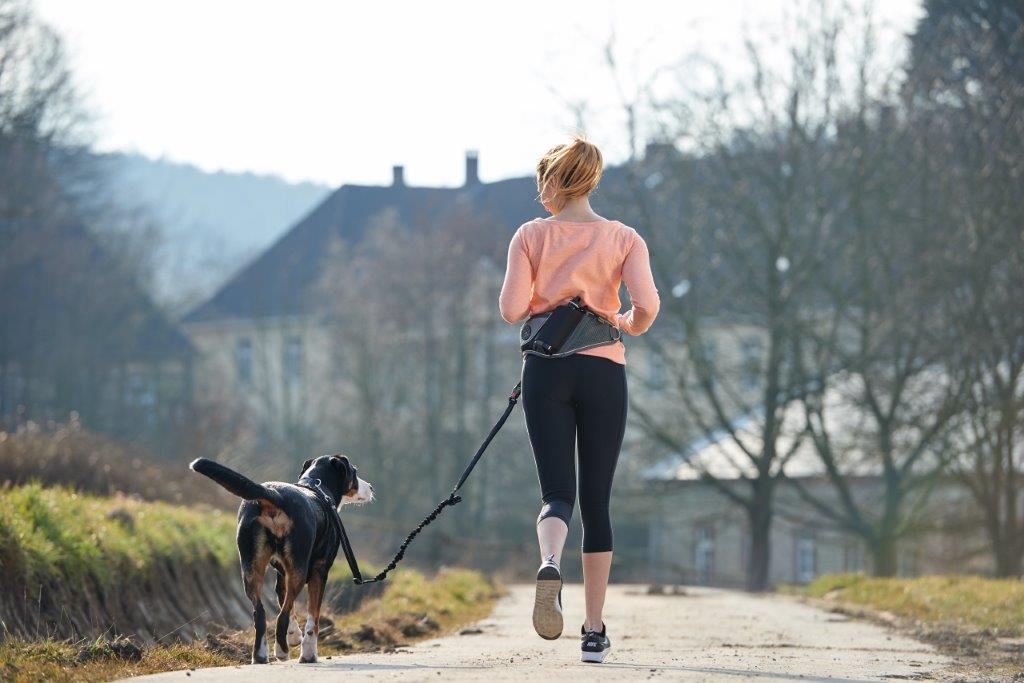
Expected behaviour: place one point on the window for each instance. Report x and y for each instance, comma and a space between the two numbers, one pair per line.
704, 553
292, 361
751, 350
243, 361
806, 557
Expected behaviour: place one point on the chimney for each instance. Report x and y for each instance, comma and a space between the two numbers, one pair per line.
397, 176
472, 165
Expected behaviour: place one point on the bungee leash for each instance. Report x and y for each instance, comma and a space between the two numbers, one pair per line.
452, 499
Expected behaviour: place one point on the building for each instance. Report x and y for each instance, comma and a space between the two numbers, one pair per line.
695, 534
263, 338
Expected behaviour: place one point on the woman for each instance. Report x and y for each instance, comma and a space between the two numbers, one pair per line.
578, 399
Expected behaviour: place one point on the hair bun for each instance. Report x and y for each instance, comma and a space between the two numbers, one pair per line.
568, 171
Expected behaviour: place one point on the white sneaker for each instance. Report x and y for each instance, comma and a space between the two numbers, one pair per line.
547, 603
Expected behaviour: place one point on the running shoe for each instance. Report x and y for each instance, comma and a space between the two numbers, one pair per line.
593, 645
547, 603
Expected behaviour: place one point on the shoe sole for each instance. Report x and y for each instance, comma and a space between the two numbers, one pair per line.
593, 657
547, 615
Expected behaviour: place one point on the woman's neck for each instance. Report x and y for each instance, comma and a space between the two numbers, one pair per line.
577, 210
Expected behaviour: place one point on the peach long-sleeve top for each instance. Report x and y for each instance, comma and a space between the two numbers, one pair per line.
552, 261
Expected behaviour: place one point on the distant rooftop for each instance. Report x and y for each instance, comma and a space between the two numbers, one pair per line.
277, 282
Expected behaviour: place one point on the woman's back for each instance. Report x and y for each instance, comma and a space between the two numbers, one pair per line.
552, 261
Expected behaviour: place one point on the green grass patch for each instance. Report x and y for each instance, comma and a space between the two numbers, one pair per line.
966, 600
48, 533
415, 605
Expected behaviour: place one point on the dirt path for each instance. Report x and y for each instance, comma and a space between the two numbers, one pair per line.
706, 635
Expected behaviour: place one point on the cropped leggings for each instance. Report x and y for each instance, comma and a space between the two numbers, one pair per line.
577, 400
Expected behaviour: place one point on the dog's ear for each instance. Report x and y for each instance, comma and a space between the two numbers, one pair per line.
305, 466
343, 464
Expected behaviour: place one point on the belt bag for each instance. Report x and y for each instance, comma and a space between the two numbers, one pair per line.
565, 330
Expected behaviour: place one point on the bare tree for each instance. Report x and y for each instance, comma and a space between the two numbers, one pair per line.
739, 234
968, 73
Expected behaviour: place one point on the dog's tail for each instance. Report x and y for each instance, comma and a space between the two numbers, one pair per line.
241, 486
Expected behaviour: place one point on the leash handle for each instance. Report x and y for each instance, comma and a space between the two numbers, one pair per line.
452, 499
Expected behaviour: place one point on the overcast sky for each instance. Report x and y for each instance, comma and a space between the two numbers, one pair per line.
339, 91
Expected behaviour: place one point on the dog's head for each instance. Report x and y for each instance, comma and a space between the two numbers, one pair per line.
338, 477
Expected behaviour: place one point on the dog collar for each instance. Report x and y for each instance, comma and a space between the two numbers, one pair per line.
315, 485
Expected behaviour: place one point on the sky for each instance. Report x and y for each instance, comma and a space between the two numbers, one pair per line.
338, 92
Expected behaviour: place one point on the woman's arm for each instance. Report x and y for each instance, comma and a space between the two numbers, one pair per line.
517, 290
643, 295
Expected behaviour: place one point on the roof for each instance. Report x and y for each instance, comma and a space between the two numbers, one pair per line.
278, 282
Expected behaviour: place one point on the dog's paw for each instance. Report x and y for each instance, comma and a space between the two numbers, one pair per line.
294, 631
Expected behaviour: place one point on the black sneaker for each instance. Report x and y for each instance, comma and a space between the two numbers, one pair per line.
593, 645
547, 603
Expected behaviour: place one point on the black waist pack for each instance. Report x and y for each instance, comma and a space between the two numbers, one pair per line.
565, 330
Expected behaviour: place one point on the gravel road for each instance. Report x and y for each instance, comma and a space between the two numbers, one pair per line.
704, 635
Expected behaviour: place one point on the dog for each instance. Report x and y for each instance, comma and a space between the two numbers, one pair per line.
288, 527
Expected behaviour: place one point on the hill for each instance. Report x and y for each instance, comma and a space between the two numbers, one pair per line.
211, 223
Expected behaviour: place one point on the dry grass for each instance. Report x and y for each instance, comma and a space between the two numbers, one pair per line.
68, 455
53, 660
971, 601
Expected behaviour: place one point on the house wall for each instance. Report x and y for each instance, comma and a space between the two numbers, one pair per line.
277, 371
683, 515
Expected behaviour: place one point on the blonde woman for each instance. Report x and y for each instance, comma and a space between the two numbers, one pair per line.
577, 401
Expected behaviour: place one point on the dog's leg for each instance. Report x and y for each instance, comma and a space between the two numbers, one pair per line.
252, 577
293, 580
294, 632
315, 590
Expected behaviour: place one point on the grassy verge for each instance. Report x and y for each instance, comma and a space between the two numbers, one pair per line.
411, 608
969, 601
53, 660
979, 621
48, 533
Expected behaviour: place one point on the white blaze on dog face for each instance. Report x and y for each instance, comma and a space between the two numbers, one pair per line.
362, 494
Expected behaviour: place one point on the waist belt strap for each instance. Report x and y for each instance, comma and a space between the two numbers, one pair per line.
589, 332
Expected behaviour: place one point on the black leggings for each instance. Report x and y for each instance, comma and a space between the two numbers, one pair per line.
568, 400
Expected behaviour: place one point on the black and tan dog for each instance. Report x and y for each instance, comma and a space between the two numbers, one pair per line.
289, 527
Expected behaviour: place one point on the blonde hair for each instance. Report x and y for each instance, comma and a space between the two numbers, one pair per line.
569, 170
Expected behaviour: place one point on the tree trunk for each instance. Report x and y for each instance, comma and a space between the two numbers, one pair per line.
883, 555
760, 519
1008, 561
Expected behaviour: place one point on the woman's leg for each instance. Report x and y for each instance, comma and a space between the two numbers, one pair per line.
551, 422
551, 533
601, 415
596, 567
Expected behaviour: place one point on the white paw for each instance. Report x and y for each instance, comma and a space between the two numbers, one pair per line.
261, 652
308, 643
294, 632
